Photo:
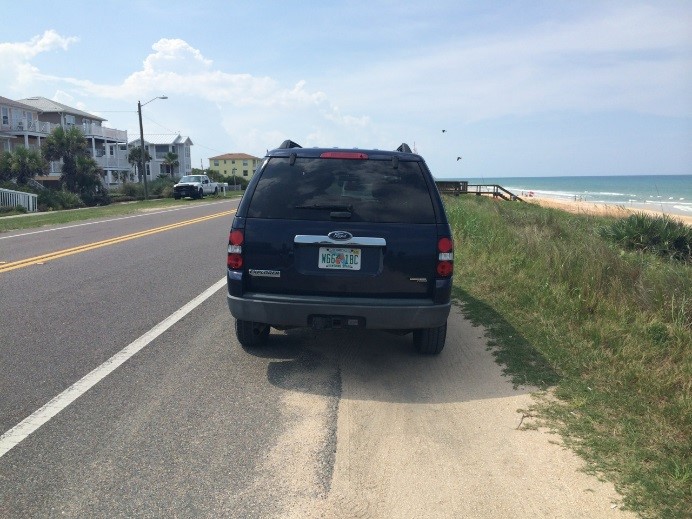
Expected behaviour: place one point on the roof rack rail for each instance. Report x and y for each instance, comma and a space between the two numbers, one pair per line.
404, 148
287, 144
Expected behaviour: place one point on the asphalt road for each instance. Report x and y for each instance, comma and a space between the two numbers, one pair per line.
332, 424
184, 425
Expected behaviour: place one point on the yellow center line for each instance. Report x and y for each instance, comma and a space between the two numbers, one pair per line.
36, 260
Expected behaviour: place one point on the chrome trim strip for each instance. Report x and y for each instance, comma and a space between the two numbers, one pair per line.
365, 241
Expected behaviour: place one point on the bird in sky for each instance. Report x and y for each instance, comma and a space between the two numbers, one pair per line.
444, 131
458, 158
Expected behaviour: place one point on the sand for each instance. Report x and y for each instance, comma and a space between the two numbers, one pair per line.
581, 207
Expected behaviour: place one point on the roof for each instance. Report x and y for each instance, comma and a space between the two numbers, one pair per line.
47, 106
9, 102
403, 152
234, 156
163, 139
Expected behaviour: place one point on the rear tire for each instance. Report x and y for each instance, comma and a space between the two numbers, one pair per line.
250, 333
200, 194
430, 341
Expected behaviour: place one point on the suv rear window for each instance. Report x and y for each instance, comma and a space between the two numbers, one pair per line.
359, 190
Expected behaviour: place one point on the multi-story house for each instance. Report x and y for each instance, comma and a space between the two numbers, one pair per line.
19, 125
159, 147
107, 146
235, 165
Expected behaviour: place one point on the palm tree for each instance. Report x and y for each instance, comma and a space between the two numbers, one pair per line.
26, 164
21, 164
171, 162
134, 158
66, 145
88, 176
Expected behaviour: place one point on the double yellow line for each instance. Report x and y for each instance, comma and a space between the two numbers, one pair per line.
39, 260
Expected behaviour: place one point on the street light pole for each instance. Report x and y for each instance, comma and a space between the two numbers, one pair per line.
233, 178
142, 167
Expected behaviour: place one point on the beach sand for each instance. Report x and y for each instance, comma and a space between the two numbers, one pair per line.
619, 211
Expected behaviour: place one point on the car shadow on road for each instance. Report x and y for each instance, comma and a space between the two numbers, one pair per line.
380, 366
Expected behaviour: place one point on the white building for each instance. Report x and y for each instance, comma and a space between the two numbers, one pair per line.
159, 146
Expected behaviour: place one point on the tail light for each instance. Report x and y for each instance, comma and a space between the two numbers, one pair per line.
445, 257
235, 249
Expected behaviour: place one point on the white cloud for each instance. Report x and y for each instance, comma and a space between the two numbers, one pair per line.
636, 58
16, 71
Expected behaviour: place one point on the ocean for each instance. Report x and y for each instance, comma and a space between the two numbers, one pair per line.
667, 193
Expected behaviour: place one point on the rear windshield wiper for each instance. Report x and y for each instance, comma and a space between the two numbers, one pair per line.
328, 207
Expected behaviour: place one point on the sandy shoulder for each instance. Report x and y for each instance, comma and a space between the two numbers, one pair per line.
439, 437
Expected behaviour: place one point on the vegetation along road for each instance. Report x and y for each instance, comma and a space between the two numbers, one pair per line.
120, 325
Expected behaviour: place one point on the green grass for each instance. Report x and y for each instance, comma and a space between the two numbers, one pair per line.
117, 209
608, 329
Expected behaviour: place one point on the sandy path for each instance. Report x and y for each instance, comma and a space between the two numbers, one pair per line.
437, 437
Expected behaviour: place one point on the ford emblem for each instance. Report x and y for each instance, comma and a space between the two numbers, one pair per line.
340, 235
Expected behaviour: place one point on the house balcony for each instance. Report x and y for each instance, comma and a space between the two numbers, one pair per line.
102, 132
42, 128
108, 162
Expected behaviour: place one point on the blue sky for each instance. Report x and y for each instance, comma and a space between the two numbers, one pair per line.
522, 88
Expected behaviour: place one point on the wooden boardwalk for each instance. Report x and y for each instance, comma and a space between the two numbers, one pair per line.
447, 187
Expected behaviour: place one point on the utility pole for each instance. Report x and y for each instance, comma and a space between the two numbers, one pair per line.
141, 144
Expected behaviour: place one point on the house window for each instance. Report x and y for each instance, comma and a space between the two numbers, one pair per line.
5, 116
245, 163
69, 120
245, 172
216, 163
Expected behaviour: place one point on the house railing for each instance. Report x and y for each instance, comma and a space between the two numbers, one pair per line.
9, 198
89, 130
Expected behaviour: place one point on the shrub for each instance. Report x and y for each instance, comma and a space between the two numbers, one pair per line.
93, 199
49, 199
134, 190
8, 209
659, 235
161, 184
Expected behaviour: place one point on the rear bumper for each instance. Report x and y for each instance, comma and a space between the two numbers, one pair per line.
384, 314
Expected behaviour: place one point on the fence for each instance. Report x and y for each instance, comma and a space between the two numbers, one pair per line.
14, 198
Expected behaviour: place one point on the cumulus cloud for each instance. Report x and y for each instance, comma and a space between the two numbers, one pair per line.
17, 71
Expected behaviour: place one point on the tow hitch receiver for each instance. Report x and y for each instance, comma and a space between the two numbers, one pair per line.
323, 322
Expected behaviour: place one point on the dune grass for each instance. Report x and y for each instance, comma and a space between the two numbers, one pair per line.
608, 329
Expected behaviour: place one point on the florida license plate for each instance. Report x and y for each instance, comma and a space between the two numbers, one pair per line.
339, 258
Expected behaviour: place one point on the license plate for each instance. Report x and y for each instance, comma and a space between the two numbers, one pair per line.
339, 258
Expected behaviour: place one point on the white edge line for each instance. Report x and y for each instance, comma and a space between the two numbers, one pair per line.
33, 422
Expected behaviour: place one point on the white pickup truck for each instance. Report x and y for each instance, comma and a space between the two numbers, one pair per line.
195, 186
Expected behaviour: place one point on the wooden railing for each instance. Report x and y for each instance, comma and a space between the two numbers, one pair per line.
453, 187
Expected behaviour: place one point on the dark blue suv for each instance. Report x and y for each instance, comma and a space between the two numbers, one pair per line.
348, 238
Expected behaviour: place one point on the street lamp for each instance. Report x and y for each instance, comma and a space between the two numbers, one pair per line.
141, 143
234, 169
